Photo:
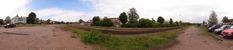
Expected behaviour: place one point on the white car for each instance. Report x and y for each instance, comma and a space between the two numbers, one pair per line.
219, 30
211, 27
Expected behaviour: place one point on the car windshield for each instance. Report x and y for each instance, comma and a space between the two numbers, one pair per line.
222, 27
231, 27
227, 27
218, 26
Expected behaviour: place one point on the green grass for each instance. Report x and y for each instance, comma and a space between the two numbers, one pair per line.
109, 42
204, 31
140, 42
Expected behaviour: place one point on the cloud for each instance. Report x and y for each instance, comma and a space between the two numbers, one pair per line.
59, 14
187, 10
12, 7
194, 11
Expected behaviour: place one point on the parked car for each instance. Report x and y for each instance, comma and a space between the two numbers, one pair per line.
209, 26
9, 25
228, 33
212, 28
219, 30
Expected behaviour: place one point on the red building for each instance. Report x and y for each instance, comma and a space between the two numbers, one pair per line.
116, 22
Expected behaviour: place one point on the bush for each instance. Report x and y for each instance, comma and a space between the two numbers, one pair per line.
105, 23
91, 37
95, 20
130, 25
145, 23
167, 25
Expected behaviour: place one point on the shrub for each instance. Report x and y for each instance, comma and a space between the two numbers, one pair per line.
167, 24
146, 23
95, 20
104, 23
130, 25
91, 37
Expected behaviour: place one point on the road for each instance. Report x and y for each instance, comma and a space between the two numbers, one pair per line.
48, 37
192, 39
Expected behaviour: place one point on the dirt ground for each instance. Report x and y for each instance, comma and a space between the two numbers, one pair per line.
39, 38
191, 39
50, 37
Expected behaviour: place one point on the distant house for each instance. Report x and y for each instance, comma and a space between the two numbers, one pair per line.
229, 21
86, 23
116, 21
18, 19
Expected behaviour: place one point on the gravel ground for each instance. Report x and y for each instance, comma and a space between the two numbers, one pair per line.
39, 38
191, 39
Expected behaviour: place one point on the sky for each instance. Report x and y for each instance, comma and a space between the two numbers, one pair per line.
194, 11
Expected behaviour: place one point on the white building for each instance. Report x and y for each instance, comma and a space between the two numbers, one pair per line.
18, 19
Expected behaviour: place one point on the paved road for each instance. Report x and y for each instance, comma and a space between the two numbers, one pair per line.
39, 38
191, 39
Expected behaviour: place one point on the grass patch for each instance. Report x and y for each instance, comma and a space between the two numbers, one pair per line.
140, 42
109, 42
204, 31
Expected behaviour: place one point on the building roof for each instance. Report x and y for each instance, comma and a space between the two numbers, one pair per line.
230, 20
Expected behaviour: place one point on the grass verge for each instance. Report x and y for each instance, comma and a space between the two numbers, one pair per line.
109, 42
204, 31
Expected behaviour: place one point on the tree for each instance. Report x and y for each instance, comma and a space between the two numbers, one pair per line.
203, 22
41, 21
80, 21
123, 18
95, 19
160, 19
153, 20
105, 22
213, 18
177, 23
180, 22
37, 21
48, 21
171, 21
225, 19
1, 21
31, 19
8, 19
133, 16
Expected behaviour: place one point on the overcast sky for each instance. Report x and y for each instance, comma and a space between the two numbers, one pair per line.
194, 11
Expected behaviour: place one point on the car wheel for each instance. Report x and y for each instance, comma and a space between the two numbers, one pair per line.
225, 37
218, 33
210, 31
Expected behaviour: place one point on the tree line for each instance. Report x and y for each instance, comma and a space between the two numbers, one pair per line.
132, 19
32, 19
214, 20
